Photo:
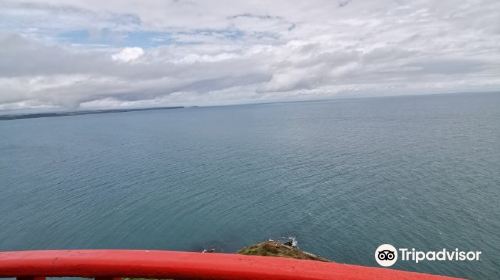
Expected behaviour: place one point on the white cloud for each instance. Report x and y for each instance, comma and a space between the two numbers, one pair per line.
128, 54
57, 54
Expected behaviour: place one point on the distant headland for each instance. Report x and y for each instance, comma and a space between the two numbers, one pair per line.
76, 113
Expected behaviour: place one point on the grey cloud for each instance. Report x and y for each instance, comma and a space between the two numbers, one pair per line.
66, 78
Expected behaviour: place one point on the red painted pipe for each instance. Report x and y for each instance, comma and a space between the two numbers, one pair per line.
184, 265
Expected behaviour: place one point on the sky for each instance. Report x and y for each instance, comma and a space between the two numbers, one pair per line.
106, 54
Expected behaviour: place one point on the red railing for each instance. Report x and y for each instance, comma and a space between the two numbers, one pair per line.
114, 264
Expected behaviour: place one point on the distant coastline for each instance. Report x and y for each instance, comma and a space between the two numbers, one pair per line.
32, 115
76, 113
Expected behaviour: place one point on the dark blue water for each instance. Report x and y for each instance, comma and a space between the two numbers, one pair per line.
342, 176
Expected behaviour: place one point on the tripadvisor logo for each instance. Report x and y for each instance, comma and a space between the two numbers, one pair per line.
387, 255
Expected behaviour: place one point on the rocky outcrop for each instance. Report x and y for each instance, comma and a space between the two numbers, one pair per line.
278, 249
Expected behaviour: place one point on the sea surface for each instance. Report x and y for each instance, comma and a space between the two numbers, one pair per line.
341, 176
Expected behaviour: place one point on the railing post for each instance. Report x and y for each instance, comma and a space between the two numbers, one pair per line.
31, 278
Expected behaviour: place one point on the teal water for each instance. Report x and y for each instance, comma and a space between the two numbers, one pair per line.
342, 176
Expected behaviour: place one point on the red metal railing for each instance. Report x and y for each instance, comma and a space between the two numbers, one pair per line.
114, 264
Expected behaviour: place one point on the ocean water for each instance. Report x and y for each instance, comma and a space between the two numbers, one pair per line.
342, 176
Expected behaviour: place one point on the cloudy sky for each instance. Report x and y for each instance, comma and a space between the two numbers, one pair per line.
85, 54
